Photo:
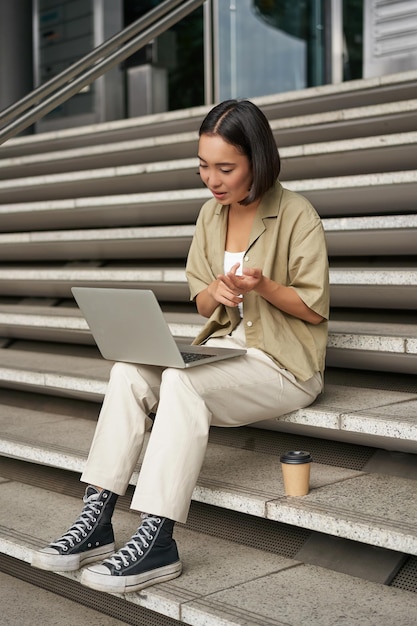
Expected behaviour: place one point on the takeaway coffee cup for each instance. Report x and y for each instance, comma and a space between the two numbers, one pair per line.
295, 466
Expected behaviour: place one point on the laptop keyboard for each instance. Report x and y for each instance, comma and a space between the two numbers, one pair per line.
190, 357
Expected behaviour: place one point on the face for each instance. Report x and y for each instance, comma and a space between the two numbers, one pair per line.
224, 170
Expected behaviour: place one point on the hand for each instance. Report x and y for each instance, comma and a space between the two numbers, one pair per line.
232, 287
229, 289
223, 291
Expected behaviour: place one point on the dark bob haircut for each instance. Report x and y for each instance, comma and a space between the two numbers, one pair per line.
242, 124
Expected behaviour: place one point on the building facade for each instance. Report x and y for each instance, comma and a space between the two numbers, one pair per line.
225, 49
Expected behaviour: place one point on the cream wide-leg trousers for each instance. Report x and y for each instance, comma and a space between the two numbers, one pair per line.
233, 392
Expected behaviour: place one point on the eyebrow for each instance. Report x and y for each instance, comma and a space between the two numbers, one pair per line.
221, 163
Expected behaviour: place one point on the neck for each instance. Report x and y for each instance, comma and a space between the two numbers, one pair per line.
244, 209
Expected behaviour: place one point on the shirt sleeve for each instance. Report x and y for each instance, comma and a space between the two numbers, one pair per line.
308, 267
198, 271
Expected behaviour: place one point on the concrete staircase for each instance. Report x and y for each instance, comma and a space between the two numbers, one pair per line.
114, 205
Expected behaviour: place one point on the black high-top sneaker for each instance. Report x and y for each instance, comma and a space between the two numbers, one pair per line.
149, 557
89, 539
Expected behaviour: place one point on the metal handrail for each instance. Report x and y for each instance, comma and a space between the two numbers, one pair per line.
69, 85
85, 62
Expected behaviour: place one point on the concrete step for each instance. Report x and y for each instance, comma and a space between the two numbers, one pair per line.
387, 287
222, 581
317, 100
152, 242
372, 345
336, 196
365, 345
332, 158
372, 194
161, 175
168, 282
362, 155
131, 152
380, 235
377, 194
170, 169
363, 121
40, 607
370, 416
66, 323
143, 209
342, 502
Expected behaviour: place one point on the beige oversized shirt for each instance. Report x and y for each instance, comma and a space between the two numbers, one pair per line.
287, 241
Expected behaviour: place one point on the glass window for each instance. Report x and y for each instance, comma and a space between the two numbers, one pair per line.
65, 35
180, 51
353, 39
267, 46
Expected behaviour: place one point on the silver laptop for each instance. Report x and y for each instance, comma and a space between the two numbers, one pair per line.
128, 325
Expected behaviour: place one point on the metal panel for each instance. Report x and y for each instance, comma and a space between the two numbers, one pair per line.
390, 36
336, 41
147, 90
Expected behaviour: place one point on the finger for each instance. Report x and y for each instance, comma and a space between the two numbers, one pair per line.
229, 282
251, 272
234, 269
231, 300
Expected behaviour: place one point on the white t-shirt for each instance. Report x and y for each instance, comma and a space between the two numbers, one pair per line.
230, 259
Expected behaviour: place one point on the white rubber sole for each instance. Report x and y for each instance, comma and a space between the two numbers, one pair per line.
70, 562
126, 584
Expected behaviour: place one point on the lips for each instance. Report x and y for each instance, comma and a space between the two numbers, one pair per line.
218, 195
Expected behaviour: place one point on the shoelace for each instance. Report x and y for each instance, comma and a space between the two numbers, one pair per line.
134, 547
80, 526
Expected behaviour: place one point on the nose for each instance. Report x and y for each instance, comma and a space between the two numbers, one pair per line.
212, 180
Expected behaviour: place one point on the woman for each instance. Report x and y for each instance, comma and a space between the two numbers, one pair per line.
257, 269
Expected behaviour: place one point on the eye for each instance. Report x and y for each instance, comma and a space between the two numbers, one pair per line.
202, 167
226, 171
